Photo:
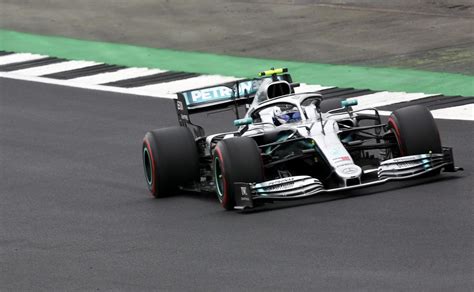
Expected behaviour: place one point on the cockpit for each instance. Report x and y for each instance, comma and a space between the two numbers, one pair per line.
297, 108
277, 114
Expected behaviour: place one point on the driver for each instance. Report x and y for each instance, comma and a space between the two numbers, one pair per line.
284, 116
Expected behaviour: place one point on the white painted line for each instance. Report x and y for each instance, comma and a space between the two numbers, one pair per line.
310, 88
385, 98
385, 113
186, 84
20, 57
123, 74
462, 112
85, 86
54, 68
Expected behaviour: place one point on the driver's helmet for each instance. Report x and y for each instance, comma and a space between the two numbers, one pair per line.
281, 117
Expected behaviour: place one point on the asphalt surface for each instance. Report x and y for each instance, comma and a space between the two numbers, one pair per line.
423, 34
76, 215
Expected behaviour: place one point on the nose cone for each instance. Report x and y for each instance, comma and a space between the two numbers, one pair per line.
349, 171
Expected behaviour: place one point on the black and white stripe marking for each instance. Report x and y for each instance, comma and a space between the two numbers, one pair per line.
164, 84
28, 64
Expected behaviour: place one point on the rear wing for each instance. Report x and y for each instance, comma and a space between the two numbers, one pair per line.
218, 97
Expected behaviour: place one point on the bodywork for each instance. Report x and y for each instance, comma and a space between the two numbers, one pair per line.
321, 152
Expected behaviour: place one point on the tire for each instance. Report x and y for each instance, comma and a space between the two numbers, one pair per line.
170, 159
235, 160
415, 130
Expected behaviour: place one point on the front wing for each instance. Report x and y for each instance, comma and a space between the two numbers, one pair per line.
298, 187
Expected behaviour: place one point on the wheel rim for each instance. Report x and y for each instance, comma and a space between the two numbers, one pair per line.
219, 179
147, 165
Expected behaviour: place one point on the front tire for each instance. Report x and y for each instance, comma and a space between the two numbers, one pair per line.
235, 160
415, 130
170, 159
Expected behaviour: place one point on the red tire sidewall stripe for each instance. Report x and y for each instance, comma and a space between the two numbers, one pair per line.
225, 197
394, 125
153, 180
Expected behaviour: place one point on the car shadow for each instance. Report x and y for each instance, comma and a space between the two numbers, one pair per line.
341, 195
321, 198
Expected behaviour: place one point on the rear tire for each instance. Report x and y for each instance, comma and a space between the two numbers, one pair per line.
415, 130
235, 160
170, 159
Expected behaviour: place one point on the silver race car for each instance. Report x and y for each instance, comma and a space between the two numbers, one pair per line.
288, 145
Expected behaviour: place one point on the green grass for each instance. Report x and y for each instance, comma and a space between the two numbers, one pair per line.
391, 79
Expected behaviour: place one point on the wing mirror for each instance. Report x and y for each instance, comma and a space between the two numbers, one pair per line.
349, 102
243, 122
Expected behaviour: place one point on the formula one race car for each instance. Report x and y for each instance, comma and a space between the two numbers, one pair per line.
289, 145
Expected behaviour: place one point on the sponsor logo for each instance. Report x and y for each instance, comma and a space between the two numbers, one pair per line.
244, 196
278, 181
336, 152
408, 158
426, 163
349, 170
286, 183
342, 158
208, 94
179, 105
222, 92
282, 186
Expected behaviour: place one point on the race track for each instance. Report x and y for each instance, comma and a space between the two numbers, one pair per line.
75, 214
